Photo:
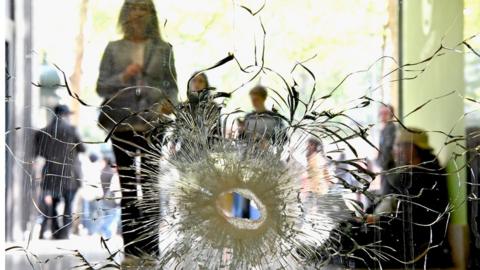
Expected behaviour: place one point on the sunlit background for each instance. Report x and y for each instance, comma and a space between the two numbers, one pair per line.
331, 38
202, 34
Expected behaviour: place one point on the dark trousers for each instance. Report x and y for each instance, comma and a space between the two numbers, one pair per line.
59, 231
138, 238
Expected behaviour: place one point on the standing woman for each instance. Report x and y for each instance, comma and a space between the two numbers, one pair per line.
137, 73
201, 113
201, 103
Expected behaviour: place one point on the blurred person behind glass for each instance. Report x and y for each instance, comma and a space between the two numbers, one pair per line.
199, 88
141, 59
201, 108
421, 186
263, 126
385, 158
261, 129
110, 207
319, 178
59, 143
91, 192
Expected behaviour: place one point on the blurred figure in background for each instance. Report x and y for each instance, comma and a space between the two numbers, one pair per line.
387, 138
106, 175
59, 144
263, 127
111, 198
91, 192
319, 179
264, 130
420, 199
141, 59
200, 111
199, 89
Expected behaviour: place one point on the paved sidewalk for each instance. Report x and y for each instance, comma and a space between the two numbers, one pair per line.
60, 254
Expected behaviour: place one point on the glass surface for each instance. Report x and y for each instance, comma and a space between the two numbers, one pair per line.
241, 134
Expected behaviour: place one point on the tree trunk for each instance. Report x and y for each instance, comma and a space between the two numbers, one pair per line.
76, 76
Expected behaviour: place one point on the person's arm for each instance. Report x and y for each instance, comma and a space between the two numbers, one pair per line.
80, 147
160, 73
109, 82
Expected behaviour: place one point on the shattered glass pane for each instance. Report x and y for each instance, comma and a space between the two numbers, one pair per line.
241, 135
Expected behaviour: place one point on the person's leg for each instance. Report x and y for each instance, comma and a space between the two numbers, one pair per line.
46, 208
106, 221
128, 183
43, 227
68, 196
109, 219
53, 216
95, 215
87, 217
150, 238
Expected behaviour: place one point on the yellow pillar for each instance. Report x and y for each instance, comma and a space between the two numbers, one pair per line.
426, 25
